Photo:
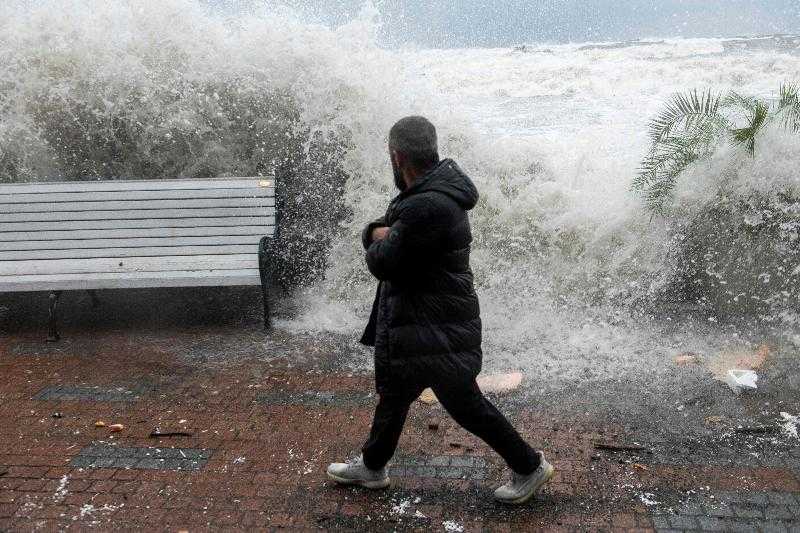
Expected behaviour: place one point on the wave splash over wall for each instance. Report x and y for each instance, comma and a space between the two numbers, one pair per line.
576, 279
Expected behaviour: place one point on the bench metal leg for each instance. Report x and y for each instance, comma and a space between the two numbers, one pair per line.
267, 317
52, 335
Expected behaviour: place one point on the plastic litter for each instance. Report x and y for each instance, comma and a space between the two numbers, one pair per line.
790, 425
739, 380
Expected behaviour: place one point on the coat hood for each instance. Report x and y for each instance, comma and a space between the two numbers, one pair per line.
449, 179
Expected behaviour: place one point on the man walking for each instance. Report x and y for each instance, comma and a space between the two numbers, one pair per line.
425, 323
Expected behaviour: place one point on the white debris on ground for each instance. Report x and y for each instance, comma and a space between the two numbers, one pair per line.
739, 380
790, 424
61, 491
648, 498
28, 507
452, 526
89, 510
239, 460
400, 508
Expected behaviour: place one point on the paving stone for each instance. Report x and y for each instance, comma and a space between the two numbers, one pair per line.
150, 489
107, 456
783, 498
464, 461
773, 527
441, 460
779, 512
742, 511
755, 498
316, 398
740, 526
440, 466
710, 523
468, 461
691, 509
683, 522
719, 510
90, 394
660, 522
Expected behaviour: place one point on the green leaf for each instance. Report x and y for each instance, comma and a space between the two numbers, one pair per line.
692, 125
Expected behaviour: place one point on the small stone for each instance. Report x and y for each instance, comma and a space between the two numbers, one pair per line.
687, 359
57, 415
713, 420
500, 383
99, 424
116, 428
428, 397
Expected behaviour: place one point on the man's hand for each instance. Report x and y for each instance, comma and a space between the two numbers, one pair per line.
378, 234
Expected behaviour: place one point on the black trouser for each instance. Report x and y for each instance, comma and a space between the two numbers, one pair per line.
465, 402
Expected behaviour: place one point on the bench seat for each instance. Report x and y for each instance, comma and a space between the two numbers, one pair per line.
134, 234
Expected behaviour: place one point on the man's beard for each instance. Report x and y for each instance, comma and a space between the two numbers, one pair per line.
399, 182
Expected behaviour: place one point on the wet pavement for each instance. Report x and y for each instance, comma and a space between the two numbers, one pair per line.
226, 428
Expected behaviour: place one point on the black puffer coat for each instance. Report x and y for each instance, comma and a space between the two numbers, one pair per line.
425, 322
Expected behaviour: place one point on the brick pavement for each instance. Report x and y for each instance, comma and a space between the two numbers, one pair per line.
250, 439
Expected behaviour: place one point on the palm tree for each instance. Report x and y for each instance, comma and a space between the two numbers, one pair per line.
693, 124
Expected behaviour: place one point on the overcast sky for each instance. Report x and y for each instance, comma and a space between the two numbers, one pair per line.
451, 23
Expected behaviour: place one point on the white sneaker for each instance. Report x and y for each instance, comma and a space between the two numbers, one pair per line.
354, 472
522, 488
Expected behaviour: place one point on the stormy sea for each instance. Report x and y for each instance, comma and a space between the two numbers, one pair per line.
578, 280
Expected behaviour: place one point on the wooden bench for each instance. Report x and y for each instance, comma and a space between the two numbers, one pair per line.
135, 234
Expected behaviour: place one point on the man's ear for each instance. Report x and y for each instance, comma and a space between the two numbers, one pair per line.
398, 158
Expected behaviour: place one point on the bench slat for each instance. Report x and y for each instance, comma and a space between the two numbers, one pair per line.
128, 234
132, 185
197, 264
89, 196
133, 233
138, 214
137, 204
138, 243
129, 224
153, 251
137, 280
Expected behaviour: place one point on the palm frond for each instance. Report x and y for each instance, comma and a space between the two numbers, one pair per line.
738, 102
693, 124
757, 116
685, 111
667, 159
788, 111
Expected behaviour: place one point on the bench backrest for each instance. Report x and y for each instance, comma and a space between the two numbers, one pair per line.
109, 234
